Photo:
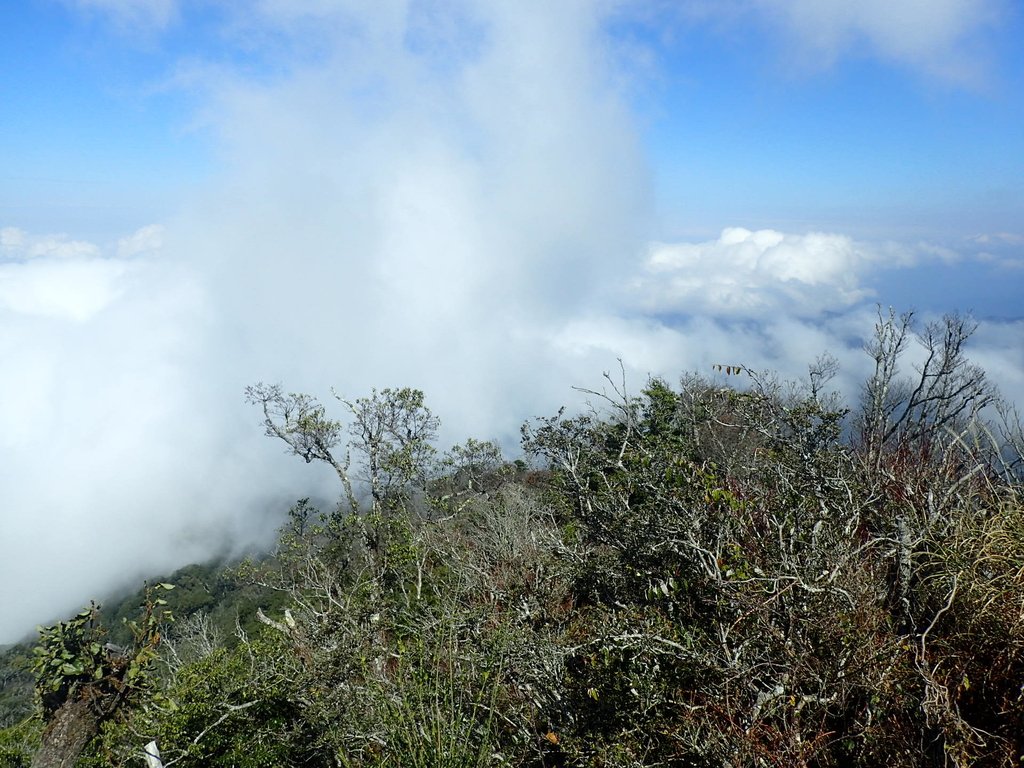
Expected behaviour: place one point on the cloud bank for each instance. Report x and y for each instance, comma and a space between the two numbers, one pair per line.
116, 461
401, 208
753, 274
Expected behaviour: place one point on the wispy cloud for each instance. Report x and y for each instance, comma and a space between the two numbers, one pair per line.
938, 37
137, 16
18, 245
147, 240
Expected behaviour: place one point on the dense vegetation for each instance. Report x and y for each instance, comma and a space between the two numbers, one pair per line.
749, 574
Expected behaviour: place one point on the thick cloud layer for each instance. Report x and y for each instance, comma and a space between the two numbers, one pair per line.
393, 211
117, 458
748, 274
745, 274
451, 197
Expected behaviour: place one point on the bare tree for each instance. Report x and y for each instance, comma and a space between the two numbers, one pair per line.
947, 392
919, 440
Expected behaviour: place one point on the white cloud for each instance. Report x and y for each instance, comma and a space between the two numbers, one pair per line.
12, 240
1000, 249
133, 15
936, 36
439, 226
119, 448
999, 238
73, 289
16, 244
144, 241
751, 274
55, 276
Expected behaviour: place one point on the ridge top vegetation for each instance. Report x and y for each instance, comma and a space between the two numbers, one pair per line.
701, 574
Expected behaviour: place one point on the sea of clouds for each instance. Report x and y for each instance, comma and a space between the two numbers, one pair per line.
458, 202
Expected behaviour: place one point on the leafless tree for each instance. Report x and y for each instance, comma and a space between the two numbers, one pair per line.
946, 392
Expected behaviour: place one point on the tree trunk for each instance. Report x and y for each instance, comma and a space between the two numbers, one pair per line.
71, 728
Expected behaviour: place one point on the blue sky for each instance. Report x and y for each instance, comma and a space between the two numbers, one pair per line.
859, 146
741, 121
492, 200
94, 140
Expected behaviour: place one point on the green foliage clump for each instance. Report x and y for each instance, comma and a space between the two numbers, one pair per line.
18, 743
701, 574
